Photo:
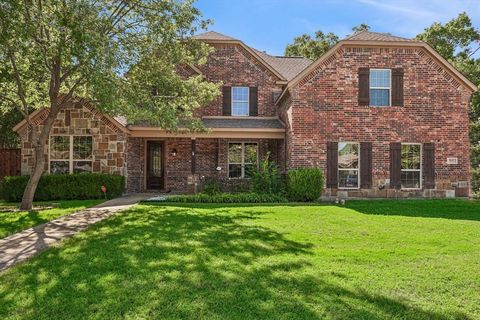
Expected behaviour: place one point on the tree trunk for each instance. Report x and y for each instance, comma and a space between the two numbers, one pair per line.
39, 166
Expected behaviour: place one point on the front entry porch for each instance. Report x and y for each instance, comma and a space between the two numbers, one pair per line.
181, 165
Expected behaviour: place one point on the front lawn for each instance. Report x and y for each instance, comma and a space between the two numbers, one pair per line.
368, 260
12, 221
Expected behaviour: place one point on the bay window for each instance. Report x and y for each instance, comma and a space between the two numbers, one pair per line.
70, 154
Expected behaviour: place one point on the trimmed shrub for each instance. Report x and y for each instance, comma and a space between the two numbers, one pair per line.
64, 187
476, 182
228, 198
304, 184
266, 178
210, 185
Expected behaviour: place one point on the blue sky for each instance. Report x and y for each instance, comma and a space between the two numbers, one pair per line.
271, 24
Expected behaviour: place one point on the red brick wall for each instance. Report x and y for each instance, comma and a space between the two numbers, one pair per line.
233, 66
325, 108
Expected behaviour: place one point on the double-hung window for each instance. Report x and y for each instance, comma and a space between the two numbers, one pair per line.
380, 87
242, 159
240, 101
348, 165
70, 154
411, 166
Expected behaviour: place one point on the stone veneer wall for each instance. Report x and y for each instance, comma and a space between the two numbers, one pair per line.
324, 108
109, 142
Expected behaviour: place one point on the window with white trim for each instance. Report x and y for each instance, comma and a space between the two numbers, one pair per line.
348, 165
380, 87
240, 101
242, 159
411, 166
70, 154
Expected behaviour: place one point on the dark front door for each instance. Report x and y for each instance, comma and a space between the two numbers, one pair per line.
155, 172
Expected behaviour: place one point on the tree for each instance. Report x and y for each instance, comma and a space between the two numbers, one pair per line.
54, 51
457, 41
360, 28
312, 48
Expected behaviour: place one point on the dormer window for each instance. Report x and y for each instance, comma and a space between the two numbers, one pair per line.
240, 101
380, 87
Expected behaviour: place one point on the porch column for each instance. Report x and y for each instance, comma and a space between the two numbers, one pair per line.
194, 147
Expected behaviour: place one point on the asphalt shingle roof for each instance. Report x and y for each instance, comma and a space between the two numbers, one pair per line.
289, 67
377, 36
247, 123
212, 35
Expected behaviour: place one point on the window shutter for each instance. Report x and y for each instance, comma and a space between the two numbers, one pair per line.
429, 165
332, 164
227, 101
363, 86
253, 103
395, 164
397, 87
366, 165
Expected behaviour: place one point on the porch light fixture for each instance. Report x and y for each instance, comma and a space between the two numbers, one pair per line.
174, 152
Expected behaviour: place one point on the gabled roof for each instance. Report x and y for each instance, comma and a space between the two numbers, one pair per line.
375, 39
376, 36
213, 35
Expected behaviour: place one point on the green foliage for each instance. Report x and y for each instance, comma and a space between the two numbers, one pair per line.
8, 119
64, 187
84, 48
304, 184
312, 48
228, 198
476, 181
211, 186
266, 178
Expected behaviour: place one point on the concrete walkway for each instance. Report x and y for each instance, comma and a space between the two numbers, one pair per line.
21, 246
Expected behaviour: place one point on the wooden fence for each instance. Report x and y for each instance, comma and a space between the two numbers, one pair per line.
9, 162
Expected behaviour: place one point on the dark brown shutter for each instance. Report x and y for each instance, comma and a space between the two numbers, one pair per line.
363, 86
395, 164
227, 101
397, 87
366, 165
429, 165
332, 164
253, 101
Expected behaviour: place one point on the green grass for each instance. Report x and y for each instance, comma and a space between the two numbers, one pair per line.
12, 222
368, 260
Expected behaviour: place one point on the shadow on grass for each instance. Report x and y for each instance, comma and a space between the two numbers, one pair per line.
170, 262
446, 209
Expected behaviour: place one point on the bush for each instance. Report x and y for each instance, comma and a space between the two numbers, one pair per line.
228, 198
266, 179
305, 184
210, 185
64, 187
476, 182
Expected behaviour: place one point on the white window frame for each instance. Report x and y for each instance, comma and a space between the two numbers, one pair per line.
70, 159
412, 170
242, 164
242, 101
345, 169
382, 88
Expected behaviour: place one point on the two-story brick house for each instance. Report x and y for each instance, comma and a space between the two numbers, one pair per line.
383, 116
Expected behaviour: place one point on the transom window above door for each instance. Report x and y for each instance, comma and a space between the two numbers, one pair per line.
380, 87
70, 154
240, 101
